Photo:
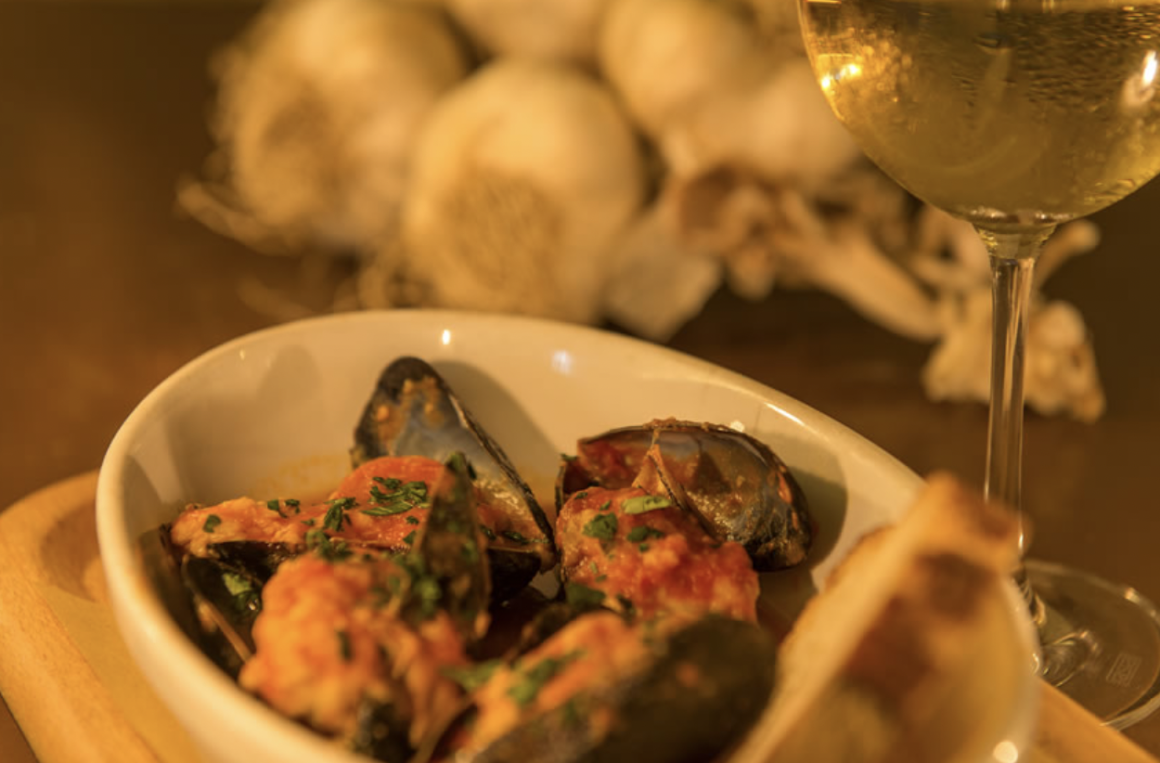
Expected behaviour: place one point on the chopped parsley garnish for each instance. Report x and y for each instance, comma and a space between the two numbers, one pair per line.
512, 535
471, 677
427, 592
536, 677
643, 532
294, 504
336, 513
409, 538
643, 547
344, 645
393, 496
583, 597
581, 494
602, 526
604, 506
211, 523
487, 532
644, 503
412, 520
246, 597
308, 522
276, 507
571, 714
320, 543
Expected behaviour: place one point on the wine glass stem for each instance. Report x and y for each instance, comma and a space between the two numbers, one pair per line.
1013, 256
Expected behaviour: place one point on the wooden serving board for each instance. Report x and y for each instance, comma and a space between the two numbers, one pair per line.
77, 695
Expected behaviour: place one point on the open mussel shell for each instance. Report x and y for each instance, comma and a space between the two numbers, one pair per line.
413, 412
705, 686
221, 595
735, 484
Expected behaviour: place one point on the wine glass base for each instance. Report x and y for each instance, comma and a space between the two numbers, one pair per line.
1101, 643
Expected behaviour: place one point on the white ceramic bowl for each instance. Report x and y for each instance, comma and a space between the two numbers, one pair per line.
272, 413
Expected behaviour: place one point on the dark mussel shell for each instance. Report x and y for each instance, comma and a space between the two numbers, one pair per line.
735, 484
222, 595
706, 685
413, 412
450, 571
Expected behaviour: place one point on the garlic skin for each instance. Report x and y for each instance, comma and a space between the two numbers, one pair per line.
523, 177
556, 30
320, 103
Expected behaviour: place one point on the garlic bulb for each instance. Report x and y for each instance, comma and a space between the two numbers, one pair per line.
561, 30
524, 175
320, 103
669, 58
712, 90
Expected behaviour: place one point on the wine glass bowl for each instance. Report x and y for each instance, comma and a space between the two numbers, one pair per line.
1006, 114
1016, 116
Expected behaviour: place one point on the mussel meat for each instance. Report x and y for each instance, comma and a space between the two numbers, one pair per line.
643, 555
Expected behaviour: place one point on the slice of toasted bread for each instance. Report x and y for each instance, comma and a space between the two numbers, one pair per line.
906, 654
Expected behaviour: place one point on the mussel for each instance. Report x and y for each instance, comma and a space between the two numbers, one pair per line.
601, 690
412, 411
374, 630
734, 484
219, 595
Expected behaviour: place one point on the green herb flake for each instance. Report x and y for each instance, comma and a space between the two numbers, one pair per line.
247, 599
211, 523
604, 506
642, 504
344, 647
294, 504
642, 533
336, 513
602, 526
583, 597
536, 677
471, 677
412, 520
487, 532
581, 494
571, 714
409, 538
391, 496
275, 506
330, 550
428, 593
516, 537
643, 547
308, 522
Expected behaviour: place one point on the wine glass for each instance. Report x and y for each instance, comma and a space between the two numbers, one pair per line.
1016, 116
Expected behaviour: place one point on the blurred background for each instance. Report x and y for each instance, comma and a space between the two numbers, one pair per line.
135, 234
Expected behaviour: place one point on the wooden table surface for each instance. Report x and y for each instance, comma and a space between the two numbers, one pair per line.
105, 289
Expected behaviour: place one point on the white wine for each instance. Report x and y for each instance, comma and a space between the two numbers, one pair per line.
1007, 113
